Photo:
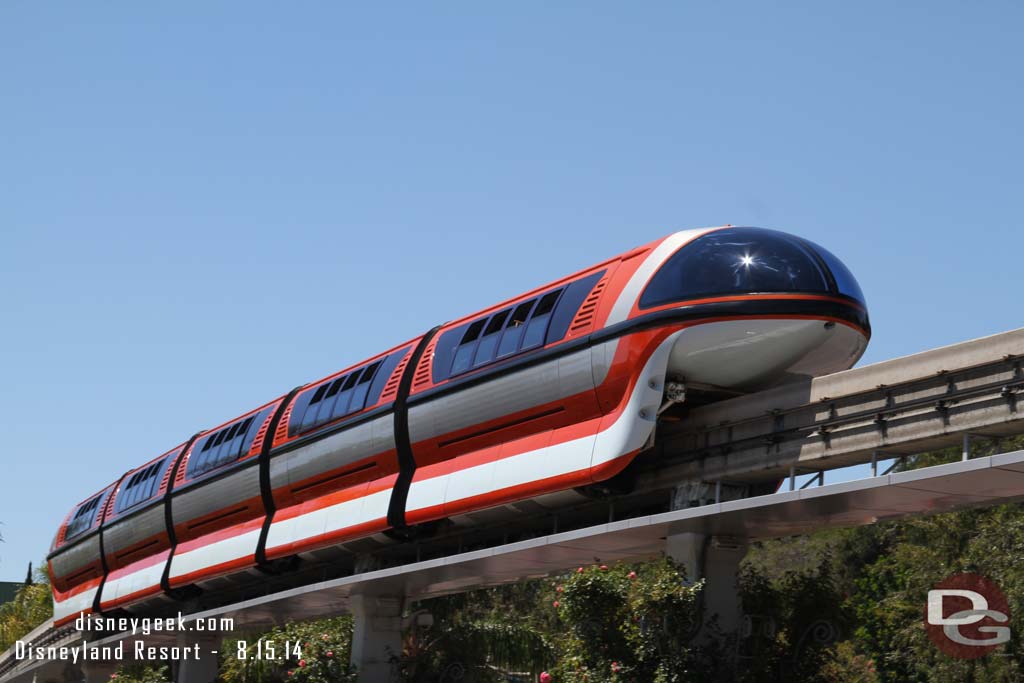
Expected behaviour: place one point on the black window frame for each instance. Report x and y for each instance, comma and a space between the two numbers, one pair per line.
338, 398
141, 486
485, 355
547, 302
217, 450
485, 328
323, 400
519, 330
84, 517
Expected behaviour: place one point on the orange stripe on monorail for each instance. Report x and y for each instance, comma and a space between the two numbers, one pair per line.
75, 590
744, 297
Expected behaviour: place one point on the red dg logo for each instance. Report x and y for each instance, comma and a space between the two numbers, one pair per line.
967, 616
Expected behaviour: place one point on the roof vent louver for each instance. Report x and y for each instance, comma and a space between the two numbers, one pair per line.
422, 376
584, 319
391, 388
257, 443
282, 427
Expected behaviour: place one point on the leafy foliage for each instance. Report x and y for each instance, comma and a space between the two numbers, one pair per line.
800, 614
495, 634
142, 672
843, 606
32, 605
845, 665
880, 576
323, 646
625, 623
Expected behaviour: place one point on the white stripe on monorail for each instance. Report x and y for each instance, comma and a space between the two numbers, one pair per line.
990, 480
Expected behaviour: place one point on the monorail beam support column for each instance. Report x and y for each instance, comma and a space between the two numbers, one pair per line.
377, 639
716, 560
198, 663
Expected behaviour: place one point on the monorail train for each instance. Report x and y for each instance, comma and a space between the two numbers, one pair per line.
510, 409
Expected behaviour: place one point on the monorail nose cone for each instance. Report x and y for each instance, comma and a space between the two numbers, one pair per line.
770, 307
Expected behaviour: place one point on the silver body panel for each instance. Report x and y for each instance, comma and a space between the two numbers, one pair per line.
336, 451
209, 497
514, 392
76, 555
122, 533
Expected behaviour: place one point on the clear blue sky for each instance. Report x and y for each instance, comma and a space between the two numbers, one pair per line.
205, 204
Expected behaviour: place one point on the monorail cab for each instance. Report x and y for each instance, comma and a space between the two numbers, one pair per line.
761, 307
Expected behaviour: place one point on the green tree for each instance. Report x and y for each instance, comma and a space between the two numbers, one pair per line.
880, 576
798, 615
140, 672
494, 634
626, 623
32, 605
305, 652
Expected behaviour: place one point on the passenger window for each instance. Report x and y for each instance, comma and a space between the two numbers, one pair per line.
328, 402
224, 446
537, 327
359, 393
514, 329
341, 407
83, 518
489, 342
140, 487
464, 354
504, 334
313, 409
342, 396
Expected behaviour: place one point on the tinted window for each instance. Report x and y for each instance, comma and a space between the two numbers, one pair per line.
341, 406
514, 329
489, 342
140, 486
316, 402
537, 326
500, 336
83, 519
736, 260
327, 405
845, 282
331, 400
225, 445
464, 353
358, 401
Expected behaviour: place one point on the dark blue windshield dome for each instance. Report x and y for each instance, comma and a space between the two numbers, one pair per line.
747, 261
846, 284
